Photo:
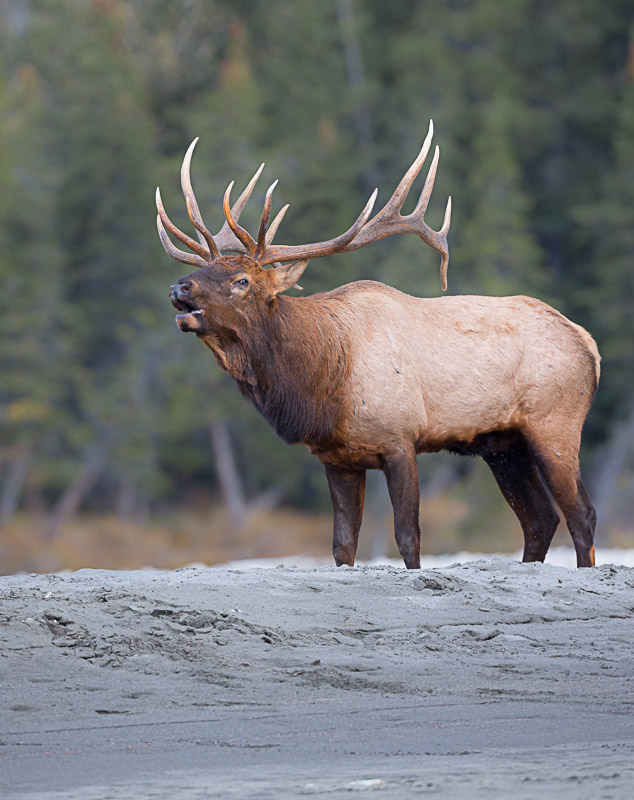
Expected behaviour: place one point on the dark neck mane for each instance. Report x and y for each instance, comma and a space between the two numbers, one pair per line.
292, 364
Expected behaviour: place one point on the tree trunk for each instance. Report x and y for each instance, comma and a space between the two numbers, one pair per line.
34, 500
69, 503
356, 81
13, 483
16, 16
227, 472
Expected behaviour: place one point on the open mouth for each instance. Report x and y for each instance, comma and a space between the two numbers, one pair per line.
186, 308
191, 318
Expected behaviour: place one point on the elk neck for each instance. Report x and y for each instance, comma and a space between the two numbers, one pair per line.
291, 361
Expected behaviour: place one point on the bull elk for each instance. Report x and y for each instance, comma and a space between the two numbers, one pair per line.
367, 377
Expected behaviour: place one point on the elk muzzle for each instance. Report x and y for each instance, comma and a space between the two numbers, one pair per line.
192, 318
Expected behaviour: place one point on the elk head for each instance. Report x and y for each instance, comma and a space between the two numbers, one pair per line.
227, 290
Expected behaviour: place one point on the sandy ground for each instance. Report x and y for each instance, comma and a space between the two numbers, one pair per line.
487, 679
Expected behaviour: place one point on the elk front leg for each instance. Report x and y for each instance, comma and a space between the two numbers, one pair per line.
347, 490
402, 483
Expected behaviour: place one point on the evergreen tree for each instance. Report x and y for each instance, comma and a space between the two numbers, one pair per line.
497, 250
606, 292
33, 357
100, 134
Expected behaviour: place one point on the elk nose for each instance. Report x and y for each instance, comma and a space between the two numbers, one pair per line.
181, 288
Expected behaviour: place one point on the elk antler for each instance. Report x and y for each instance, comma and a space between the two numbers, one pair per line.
233, 236
208, 247
386, 223
264, 250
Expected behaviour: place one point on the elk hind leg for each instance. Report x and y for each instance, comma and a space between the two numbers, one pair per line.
347, 491
402, 483
559, 464
521, 483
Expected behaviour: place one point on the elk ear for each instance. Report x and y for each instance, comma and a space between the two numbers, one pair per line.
286, 276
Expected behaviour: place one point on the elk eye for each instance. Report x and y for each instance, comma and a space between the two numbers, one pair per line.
242, 282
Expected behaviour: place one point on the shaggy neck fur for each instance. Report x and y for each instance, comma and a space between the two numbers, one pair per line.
291, 362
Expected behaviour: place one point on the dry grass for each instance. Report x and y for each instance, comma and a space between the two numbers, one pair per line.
107, 542
208, 537
450, 523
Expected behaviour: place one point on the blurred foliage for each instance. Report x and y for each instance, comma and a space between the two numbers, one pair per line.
533, 104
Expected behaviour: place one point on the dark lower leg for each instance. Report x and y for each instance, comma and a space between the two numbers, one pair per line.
521, 483
585, 552
347, 490
402, 483
562, 477
581, 519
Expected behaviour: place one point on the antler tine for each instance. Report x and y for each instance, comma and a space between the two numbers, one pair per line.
395, 203
182, 237
428, 188
193, 211
225, 238
442, 235
238, 206
270, 234
447, 220
201, 230
174, 252
264, 220
391, 210
437, 240
243, 236
282, 252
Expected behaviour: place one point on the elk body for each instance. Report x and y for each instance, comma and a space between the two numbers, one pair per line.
368, 377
